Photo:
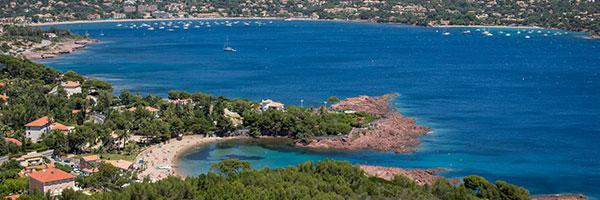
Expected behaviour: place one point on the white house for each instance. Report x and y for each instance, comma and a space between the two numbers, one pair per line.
35, 129
72, 87
266, 104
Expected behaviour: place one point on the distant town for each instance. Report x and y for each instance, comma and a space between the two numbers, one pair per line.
572, 15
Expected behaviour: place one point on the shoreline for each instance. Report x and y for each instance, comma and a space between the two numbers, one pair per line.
590, 35
67, 46
164, 155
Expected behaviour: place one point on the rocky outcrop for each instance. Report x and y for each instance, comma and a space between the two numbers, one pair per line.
420, 176
373, 105
394, 132
62, 47
560, 197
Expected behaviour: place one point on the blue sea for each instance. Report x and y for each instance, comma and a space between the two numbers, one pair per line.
526, 111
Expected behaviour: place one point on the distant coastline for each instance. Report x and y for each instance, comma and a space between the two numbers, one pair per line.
300, 19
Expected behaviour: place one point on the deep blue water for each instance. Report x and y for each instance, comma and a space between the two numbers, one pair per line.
507, 108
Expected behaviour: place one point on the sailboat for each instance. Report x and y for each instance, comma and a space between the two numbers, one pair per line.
226, 47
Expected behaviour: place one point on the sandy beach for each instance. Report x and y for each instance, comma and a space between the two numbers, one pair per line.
159, 159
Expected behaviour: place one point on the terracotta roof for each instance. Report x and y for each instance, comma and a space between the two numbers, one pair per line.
151, 109
39, 122
91, 158
3, 97
123, 164
71, 84
58, 126
44, 166
77, 111
13, 140
275, 104
88, 170
50, 174
13, 197
2, 84
24, 157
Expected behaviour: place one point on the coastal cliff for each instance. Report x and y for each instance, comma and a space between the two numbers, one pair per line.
394, 132
420, 176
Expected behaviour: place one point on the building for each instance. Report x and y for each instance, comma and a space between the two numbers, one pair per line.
12, 197
50, 35
51, 180
31, 169
180, 101
93, 17
58, 126
72, 87
266, 104
35, 129
148, 108
13, 140
161, 14
31, 159
89, 164
119, 16
143, 8
129, 8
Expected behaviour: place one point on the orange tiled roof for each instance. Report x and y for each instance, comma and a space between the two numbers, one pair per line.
77, 111
44, 166
3, 97
71, 84
2, 84
39, 122
123, 164
13, 140
12, 197
59, 126
50, 174
151, 109
91, 158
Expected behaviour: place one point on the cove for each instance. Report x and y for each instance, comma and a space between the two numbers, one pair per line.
507, 108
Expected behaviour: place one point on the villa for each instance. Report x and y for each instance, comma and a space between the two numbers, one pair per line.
72, 87
266, 104
51, 180
89, 164
35, 129
148, 108
31, 159
65, 129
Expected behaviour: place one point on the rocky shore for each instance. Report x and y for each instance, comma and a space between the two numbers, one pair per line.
420, 176
560, 197
394, 132
62, 47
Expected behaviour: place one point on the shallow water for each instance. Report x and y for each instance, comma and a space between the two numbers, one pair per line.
507, 108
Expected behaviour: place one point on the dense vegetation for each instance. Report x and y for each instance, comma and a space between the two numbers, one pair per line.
568, 15
29, 87
329, 179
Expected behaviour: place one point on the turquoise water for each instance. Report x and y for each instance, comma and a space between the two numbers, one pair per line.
506, 108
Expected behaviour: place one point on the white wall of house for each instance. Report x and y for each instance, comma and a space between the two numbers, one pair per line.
35, 132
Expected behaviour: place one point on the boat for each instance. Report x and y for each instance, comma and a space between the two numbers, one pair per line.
119, 25
545, 35
170, 29
226, 47
86, 34
151, 29
518, 32
162, 27
446, 33
507, 35
466, 32
527, 37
